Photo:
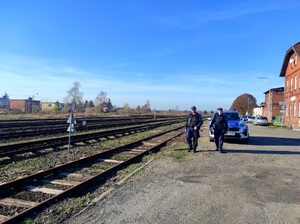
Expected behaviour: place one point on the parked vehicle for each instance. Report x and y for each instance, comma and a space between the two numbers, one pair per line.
237, 128
261, 121
250, 119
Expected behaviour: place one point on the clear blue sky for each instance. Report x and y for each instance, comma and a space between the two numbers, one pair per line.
172, 53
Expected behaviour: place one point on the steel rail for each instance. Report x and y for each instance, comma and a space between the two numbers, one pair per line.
39, 122
6, 134
6, 187
16, 126
19, 148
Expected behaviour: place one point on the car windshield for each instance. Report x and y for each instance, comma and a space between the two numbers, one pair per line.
232, 116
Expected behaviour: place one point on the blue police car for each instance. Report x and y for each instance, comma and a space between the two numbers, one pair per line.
237, 128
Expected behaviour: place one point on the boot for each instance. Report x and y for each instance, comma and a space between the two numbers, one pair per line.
190, 149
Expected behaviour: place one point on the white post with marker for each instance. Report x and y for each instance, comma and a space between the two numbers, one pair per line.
72, 122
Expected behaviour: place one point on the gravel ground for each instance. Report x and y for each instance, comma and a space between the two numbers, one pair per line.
258, 182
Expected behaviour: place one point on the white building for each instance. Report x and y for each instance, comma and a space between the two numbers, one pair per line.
257, 111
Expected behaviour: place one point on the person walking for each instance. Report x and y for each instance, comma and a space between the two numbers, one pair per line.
220, 126
192, 128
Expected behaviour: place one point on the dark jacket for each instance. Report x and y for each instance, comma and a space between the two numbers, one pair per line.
194, 120
219, 122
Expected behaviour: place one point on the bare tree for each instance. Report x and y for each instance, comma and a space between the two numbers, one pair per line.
101, 98
244, 103
126, 108
147, 105
74, 94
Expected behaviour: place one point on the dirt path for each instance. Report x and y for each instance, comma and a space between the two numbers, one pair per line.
258, 182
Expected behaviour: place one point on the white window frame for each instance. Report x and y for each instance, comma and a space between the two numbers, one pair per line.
296, 79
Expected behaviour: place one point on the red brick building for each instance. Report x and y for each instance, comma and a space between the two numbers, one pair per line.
276, 96
290, 70
27, 106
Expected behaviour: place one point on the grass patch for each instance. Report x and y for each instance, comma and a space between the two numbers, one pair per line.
175, 150
28, 221
62, 210
4, 167
129, 169
279, 126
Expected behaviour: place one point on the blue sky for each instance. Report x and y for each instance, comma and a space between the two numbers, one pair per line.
174, 53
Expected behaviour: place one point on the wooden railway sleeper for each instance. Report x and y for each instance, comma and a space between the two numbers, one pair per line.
58, 194
19, 148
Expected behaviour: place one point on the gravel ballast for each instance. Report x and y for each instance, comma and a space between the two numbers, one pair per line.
258, 182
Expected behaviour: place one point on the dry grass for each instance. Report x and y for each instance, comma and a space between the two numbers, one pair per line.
70, 206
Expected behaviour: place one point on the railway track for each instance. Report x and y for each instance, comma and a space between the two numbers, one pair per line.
20, 129
51, 185
47, 121
12, 149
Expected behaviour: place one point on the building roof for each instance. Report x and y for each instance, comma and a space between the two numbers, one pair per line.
293, 49
278, 89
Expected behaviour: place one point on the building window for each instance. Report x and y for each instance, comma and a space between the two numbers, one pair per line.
293, 61
291, 87
291, 110
296, 82
287, 85
295, 109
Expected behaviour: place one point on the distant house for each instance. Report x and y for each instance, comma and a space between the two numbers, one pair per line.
290, 70
27, 106
52, 106
276, 95
257, 111
4, 103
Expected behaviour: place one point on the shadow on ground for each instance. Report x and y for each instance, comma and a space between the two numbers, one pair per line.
269, 152
271, 141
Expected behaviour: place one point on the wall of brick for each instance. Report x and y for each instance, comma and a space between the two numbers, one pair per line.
275, 98
27, 106
292, 92
18, 104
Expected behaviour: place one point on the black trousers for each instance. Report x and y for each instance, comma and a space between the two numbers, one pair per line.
192, 134
219, 138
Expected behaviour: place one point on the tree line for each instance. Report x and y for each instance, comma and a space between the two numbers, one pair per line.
101, 103
244, 103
